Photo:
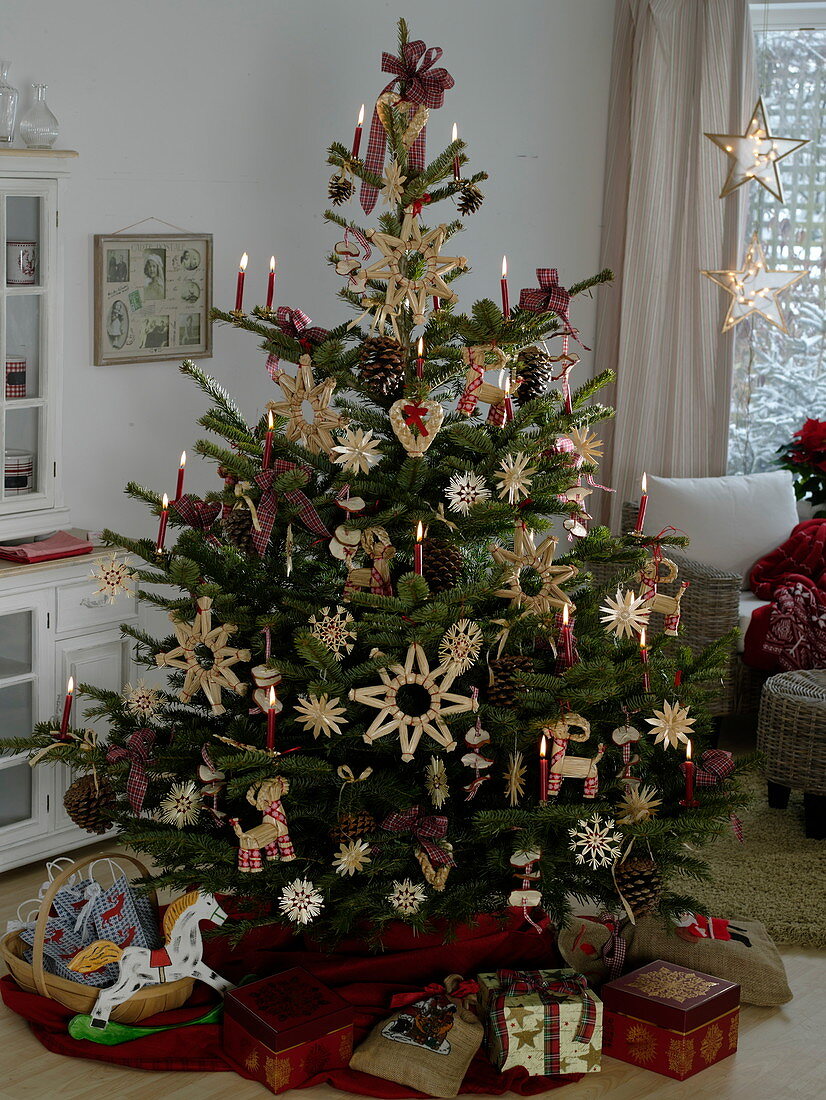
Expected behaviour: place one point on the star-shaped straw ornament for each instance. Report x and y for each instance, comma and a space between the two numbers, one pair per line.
514, 475
671, 725
527, 563
316, 434
320, 714
357, 451
626, 614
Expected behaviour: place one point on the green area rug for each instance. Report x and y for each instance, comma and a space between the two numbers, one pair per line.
776, 876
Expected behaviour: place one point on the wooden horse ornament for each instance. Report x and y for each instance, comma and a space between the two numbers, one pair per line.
180, 957
572, 767
272, 834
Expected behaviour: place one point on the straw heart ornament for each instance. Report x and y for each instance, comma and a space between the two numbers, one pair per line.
416, 424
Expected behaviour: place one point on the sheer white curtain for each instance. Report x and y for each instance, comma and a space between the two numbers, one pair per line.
680, 67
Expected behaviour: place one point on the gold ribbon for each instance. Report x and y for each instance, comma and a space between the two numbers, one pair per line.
345, 772
241, 490
87, 742
439, 513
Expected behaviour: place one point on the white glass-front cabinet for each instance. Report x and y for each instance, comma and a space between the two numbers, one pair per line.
53, 622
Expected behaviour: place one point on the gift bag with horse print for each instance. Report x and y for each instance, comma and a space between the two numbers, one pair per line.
180, 957
122, 915
428, 1044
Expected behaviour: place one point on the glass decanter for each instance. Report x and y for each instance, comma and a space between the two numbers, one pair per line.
8, 106
38, 126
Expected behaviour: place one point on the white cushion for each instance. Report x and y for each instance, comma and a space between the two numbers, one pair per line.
748, 604
731, 521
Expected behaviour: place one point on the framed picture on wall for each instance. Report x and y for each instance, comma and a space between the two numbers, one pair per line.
153, 294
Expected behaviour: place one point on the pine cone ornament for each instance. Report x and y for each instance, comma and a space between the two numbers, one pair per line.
536, 371
442, 564
237, 526
470, 199
640, 883
90, 804
353, 825
340, 189
381, 369
505, 686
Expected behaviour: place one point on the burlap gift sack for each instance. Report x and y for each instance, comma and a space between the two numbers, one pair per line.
748, 956
595, 946
428, 1044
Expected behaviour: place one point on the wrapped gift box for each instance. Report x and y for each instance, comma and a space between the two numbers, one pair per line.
540, 1025
285, 1029
670, 1019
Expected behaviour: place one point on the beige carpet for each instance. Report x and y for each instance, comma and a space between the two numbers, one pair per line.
776, 876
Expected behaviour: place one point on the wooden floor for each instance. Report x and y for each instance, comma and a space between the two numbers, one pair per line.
780, 1055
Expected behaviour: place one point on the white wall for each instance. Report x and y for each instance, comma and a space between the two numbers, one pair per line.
215, 116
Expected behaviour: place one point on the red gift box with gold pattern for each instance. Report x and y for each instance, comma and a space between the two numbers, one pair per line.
285, 1029
670, 1019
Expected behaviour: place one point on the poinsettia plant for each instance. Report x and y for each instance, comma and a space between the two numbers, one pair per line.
805, 456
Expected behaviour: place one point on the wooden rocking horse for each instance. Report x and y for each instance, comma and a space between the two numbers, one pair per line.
180, 957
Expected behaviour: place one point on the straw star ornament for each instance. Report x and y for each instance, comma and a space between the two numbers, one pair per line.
320, 714
527, 563
671, 725
625, 615
316, 434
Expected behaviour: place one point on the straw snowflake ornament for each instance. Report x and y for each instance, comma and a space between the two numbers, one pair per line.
352, 857
300, 901
514, 476
436, 782
587, 445
407, 897
334, 630
461, 645
595, 842
113, 577
671, 725
637, 804
465, 490
182, 806
526, 560
391, 192
625, 615
514, 777
141, 700
320, 714
357, 451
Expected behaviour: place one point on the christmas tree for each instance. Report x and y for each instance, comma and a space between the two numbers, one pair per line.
406, 680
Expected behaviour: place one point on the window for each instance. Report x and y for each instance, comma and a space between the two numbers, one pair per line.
780, 379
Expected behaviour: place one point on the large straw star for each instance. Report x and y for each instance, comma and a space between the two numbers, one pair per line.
316, 434
413, 268
754, 288
526, 563
754, 155
203, 652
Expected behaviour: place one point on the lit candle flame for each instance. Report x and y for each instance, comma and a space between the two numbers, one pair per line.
455, 132
183, 459
642, 638
165, 502
504, 267
242, 266
688, 750
70, 687
270, 421
420, 347
543, 747
419, 531
644, 484
361, 116
564, 614
271, 698
272, 263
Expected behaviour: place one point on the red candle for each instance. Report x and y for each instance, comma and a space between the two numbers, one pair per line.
239, 285
506, 308
566, 638
642, 507
687, 768
646, 683
67, 708
271, 283
457, 168
271, 703
179, 488
418, 556
678, 677
543, 769
436, 304
508, 402
163, 523
268, 442
357, 134
420, 358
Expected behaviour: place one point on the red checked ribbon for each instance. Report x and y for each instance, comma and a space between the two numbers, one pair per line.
466, 988
268, 505
137, 750
295, 323
424, 828
714, 766
420, 84
199, 514
549, 297
414, 416
615, 947
551, 991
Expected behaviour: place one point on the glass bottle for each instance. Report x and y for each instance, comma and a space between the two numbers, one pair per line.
38, 126
8, 106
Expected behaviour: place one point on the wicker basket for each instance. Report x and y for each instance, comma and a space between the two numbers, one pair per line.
74, 995
791, 730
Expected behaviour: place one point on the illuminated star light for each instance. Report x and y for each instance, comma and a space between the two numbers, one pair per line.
754, 154
755, 288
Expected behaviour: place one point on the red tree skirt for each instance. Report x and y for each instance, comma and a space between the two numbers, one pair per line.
367, 981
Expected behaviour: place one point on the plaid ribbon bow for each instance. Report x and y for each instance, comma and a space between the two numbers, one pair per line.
551, 992
424, 828
549, 297
295, 323
466, 988
268, 505
136, 750
421, 84
715, 765
198, 514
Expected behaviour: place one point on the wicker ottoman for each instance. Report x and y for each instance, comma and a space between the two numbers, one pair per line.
791, 735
